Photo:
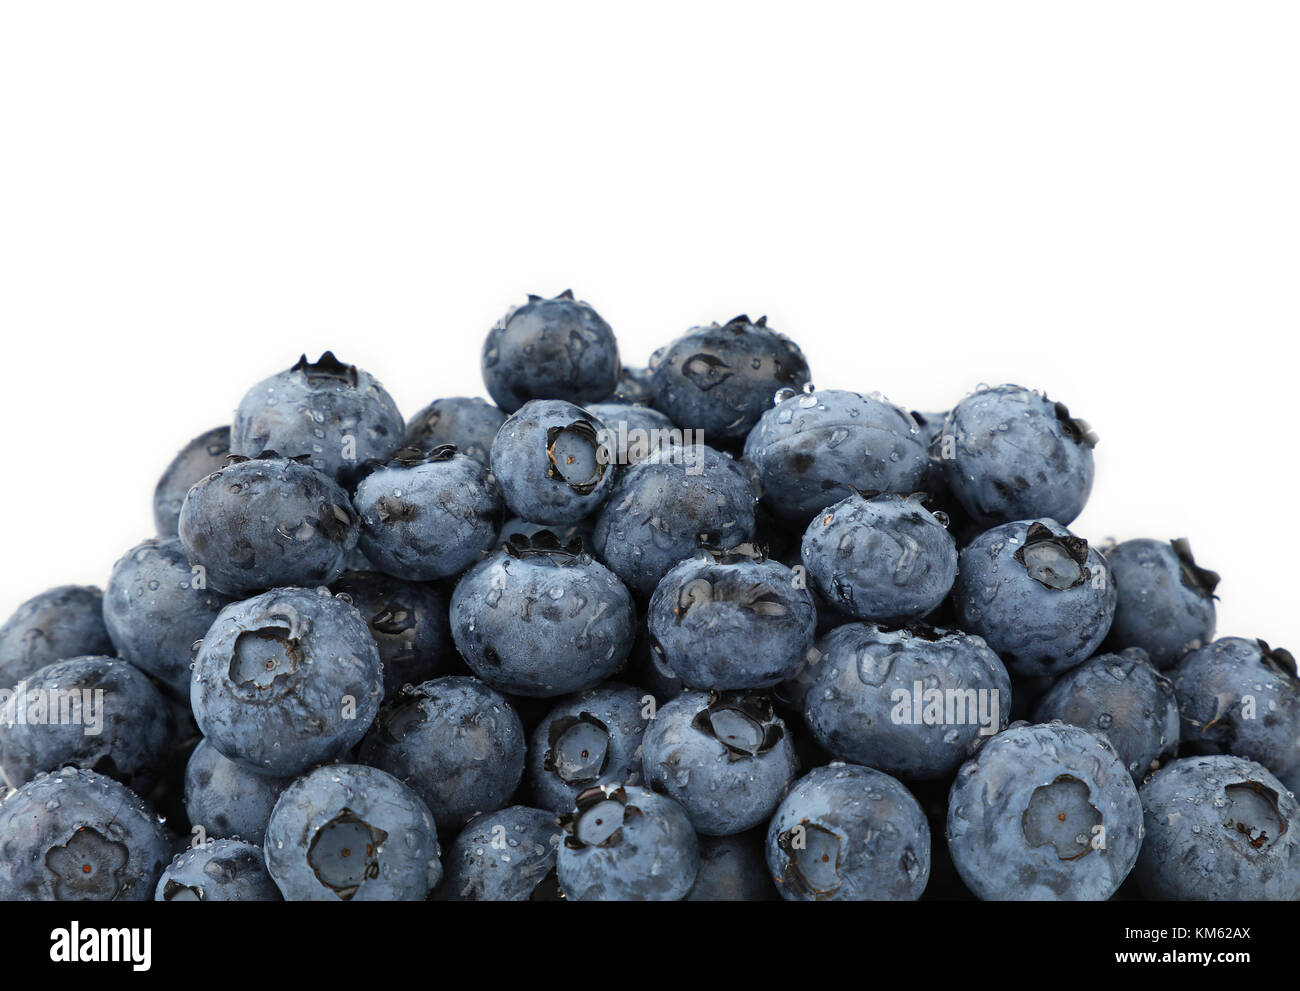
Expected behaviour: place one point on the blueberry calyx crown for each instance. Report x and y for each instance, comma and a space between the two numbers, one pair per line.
269, 454
326, 368
597, 818
534, 298
556, 733
1200, 580
740, 322
743, 722
585, 432
543, 543
1077, 430
730, 555
1057, 563
918, 630
409, 457
1280, 660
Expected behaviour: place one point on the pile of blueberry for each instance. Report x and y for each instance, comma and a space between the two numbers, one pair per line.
696, 631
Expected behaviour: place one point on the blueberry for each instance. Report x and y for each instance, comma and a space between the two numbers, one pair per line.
913, 703
454, 742
346, 832
98, 713
732, 869
503, 856
725, 756
1123, 698
219, 871
541, 620
885, 558
227, 799
1011, 454
635, 385
550, 462
430, 516
720, 378
849, 833
664, 507
1042, 813
267, 522
1040, 596
467, 424
627, 844
408, 621
556, 348
67, 621
731, 621
75, 835
1166, 601
813, 449
632, 433
592, 738
286, 680
1219, 828
333, 415
202, 456
156, 607
1240, 697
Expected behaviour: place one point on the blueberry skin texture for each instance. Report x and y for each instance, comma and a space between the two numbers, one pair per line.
608, 723
155, 614
57, 824
467, 423
634, 432
1005, 833
1123, 698
227, 799
1035, 629
733, 869
62, 622
267, 523
557, 348
862, 704
360, 809
653, 855
723, 789
503, 856
664, 507
812, 449
731, 623
408, 621
1011, 454
337, 416
542, 625
199, 458
1166, 602
430, 519
1204, 816
286, 681
870, 827
132, 745
886, 558
453, 741
1212, 686
219, 871
529, 462
721, 378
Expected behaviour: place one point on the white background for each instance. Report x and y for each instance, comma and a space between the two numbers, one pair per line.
1097, 199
